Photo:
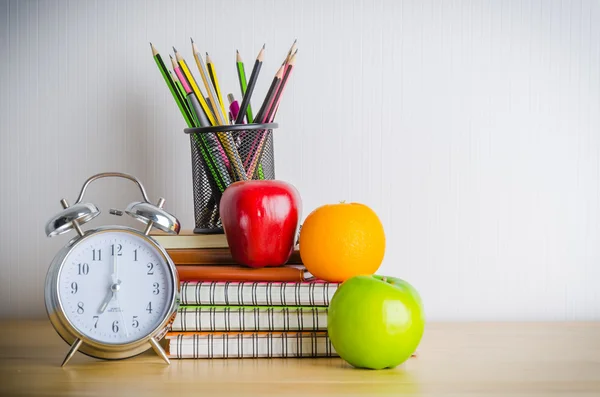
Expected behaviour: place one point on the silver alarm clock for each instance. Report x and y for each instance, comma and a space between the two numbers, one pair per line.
112, 292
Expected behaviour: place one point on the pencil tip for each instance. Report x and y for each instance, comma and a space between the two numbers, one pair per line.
174, 50
237, 52
295, 40
192, 40
264, 45
170, 57
150, 43
207, 54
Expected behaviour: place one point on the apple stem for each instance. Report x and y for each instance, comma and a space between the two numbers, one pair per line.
384, 279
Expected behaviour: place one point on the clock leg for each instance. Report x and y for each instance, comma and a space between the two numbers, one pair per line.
72, 350
159, 350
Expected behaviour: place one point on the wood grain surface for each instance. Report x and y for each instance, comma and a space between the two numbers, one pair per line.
466, 359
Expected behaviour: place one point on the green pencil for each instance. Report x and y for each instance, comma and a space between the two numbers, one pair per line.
243, 84
191, 122
172, 87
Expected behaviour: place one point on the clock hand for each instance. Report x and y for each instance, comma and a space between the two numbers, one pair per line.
106, 301
115, 269
121, 315
112, 293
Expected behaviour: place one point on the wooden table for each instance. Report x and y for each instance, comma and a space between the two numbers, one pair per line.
530, 359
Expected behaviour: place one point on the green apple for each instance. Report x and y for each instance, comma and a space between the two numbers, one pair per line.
375, 321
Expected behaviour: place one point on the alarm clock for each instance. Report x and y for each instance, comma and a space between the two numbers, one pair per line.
112, 292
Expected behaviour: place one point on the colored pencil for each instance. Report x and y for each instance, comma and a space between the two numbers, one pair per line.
172, 87
214, 178
241, 71
188, 75
251, 85
237, 168
180, 91
290, 52
288, 70
212, 93
270, 115
261, 116
213, 76
187, 89
211, 141
219, 151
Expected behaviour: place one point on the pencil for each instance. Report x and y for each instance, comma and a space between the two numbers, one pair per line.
172, 87
210, 139
251, 85
270, 115
212, 94
288, 70
243, 84
290, 52
235, 161
215, 175
213, 76
180, 91
203, 121
261, 116
201, 116
195, 88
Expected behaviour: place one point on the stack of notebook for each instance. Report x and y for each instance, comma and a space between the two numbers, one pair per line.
233, 311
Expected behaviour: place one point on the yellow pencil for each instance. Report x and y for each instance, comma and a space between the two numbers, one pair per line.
213, 75
237, 167
212, 95
195, 88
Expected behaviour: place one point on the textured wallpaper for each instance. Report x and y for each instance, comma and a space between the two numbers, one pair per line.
471, 127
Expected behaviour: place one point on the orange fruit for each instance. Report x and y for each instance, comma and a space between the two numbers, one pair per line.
339, 241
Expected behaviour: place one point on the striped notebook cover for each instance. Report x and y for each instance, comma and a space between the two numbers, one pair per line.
257, 293
250, 318
248, 345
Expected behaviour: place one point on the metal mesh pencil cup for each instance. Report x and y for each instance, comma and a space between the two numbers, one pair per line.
212, 168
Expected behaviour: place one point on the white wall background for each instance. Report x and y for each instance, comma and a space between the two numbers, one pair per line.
471, 127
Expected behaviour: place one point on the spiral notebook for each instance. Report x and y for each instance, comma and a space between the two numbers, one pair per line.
315, 293
250, 318
249, 345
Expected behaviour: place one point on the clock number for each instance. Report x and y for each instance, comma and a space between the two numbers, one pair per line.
84, 268
135, 255
149, 308
96, 322
99, 251
80, 308
119, 248
115, 326
135, 323
150, 266
156, 290
74, 287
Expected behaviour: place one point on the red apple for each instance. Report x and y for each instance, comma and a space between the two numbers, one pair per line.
260, 219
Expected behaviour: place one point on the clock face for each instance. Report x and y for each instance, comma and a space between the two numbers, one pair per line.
115, 287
